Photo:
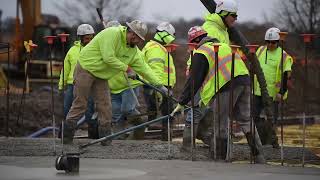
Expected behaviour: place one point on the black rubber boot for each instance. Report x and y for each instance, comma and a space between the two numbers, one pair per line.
255, 149
93, 131
103, 132
221, 148
68, 132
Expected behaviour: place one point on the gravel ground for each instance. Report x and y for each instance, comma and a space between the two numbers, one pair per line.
146, 149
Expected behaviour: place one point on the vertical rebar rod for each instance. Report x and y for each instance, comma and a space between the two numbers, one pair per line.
230, 129
281, 101
52, 101
192, 112
168, 106
305, 105
251, 105
63, 96
218, 98
8, 92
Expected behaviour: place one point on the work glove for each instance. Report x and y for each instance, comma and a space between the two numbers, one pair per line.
159, 97
179, 108
130, 73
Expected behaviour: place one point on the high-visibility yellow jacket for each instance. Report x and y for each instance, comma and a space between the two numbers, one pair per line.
215, 28
208, 89
108, 53
270, 62
156, 56
70, 62
119, 83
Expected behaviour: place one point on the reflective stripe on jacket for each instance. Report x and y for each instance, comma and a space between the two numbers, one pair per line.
156, 56
225, 60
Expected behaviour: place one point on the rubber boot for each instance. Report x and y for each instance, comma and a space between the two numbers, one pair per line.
137, 134
103, 132
93, 131
68, 132
203, 130
221, 148
256, 148
120, 126
186, 141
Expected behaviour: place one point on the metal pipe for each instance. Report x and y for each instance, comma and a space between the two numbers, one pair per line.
282, 39
252, 50
50, 42
168, 106
230, 123
126, 130
307, 38
63, 39
8, 92
214, 155
192, 112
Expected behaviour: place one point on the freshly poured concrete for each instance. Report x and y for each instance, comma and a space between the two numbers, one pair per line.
42, 168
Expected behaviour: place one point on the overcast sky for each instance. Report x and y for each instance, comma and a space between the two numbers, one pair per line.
159, 10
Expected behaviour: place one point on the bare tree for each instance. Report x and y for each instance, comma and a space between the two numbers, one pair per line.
79, 11
298, 15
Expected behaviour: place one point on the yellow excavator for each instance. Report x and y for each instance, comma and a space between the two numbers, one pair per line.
34, 26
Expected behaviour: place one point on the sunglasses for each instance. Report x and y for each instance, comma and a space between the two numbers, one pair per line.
234, 15
271, 42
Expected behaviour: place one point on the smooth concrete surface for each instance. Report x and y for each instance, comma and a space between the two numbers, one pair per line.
42, 168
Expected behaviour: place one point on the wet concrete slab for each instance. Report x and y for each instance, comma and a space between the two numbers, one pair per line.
42, 168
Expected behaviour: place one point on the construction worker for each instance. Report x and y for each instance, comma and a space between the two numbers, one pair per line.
269, 57
202, 114
124, 91
161, 62
203, 72
85, 32
111, 51
217, 24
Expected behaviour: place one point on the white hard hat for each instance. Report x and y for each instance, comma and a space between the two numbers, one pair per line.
226, 5
139, 28
85, 29
113, 24
272, 34
166, 26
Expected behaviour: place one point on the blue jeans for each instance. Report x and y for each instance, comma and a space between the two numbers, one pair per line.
124, 104
68, 99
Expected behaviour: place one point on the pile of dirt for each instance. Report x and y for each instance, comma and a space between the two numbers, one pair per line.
30, 113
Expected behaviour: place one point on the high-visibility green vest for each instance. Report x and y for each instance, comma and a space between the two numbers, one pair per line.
70, 62
156, 57
119, 83
270, 62
225, 61
216, 28
108, 54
